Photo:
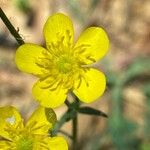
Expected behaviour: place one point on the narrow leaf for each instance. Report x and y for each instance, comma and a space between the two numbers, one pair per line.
91, 111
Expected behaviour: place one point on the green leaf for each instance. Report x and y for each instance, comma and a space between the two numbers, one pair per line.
51, 116
67, 116
91, 111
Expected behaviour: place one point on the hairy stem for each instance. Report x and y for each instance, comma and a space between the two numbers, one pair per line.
11, 27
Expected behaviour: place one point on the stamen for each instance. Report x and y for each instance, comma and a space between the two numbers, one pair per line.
81, 48
44, 145
80, 81
61, 64
91, 59
68, 34
35, 126
56, 87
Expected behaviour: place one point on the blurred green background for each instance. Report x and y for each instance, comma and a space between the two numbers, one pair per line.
127, 67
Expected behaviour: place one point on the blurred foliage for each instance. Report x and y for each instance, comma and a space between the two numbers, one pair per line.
147, 112
121, 130
76, 10
23, 5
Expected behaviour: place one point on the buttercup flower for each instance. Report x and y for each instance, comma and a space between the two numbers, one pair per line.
65, 65
31, 136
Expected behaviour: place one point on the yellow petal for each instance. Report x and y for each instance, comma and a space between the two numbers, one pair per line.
9, 118
47, 97
41, 121
92, 86
57, 143
96, 44
27, 56
57, 27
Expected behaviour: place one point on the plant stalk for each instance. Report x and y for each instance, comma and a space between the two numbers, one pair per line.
11, 27
74, 132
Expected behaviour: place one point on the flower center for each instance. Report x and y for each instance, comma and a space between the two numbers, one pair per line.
64, 64
25, 143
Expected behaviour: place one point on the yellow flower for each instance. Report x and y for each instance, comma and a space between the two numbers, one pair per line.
31, 136
65, 65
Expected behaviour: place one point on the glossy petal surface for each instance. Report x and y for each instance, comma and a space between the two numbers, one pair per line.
27, 57
49, 97
92, 86
57, 143
95, 44
58, 27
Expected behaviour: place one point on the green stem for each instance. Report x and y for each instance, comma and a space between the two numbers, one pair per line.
11, 27
67, 103
74, 132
